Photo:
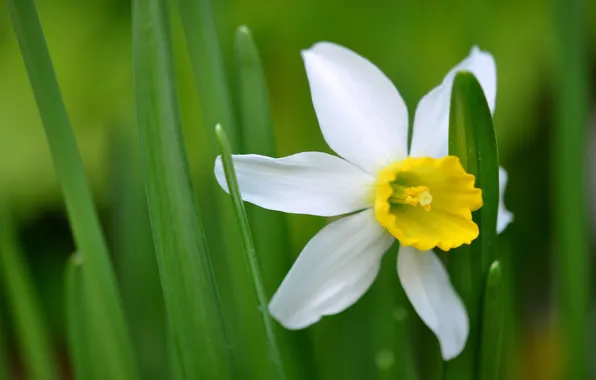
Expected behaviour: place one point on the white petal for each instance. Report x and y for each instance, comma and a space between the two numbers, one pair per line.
504, 216
428, 288
362, 115
333, 271
431, 121
305, 183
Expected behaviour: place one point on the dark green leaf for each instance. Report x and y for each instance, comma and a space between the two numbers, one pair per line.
472, 139
77, 322
570, 186
23, 305
492, 326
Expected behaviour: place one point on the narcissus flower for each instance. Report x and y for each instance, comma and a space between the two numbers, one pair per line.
422, 196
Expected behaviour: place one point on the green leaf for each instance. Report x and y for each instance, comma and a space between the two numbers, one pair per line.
492, 325
249, 249
103, 300
136, 264
77, 322
31, 332
208, 68
269, 228
240, 309
472, 139
192, 305
257, 127
570, 187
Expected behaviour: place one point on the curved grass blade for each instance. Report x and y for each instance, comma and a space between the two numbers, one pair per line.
192, 306
208, 68
269, 228
81, 358
134, 255
492, 325
572, 253
249, 250
240, 309
103, 299
472, 139
32, 335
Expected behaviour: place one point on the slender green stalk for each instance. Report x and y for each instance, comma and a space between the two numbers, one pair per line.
492, 325
76, 319
32, 335
240, 309
103, 299
134, 253
269, 228
192, 305
472, 139
209, 70
570, 170
249, 249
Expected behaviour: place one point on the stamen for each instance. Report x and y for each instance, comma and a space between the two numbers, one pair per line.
413, 196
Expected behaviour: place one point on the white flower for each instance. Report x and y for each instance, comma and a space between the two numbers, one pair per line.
422, 197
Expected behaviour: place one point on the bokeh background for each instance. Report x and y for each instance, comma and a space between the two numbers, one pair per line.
414, 43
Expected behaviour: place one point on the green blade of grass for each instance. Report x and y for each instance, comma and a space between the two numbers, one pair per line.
76, 320
112, 343
208, 68
472, 139
240, 308
191, 300
269, 228
134, 254
253, 96
492, 326
570, 197
32, 335
249, 250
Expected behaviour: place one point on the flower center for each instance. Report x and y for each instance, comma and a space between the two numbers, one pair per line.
403, 201
413, 196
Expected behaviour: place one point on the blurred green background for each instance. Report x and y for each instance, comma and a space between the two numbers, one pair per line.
414, 43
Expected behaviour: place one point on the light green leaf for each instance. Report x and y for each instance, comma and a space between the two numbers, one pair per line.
249, 250
269, 228
198, 340
103, 300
